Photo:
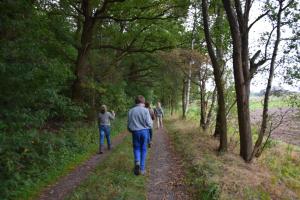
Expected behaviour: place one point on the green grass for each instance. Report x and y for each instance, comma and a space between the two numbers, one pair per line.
71, 146
284, 161
200, 174
275, 102
113, 179
278, 166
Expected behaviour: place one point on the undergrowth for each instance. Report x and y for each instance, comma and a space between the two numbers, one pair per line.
113, 179
201, 174
275, 175
33, 159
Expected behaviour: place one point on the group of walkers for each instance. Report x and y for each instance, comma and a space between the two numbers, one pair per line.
140, 124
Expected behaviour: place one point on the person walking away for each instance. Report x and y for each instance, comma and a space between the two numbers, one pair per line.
159, 113
151, 112
139, 123
104, 127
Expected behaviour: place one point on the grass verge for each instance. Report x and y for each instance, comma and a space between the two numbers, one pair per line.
213, 176
113, 179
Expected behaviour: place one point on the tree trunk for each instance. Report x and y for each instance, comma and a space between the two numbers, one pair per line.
238, 22
218, 121
209, 115
188, 90
202, 103
218, 80
263, 127
184, 99
82, 58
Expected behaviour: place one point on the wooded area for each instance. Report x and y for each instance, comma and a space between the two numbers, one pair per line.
61, 59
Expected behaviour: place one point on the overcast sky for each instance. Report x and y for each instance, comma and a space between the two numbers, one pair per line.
260, 80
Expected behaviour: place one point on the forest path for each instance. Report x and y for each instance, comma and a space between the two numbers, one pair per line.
68, 183
166, 179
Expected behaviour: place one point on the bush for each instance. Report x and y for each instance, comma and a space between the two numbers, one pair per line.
32, 158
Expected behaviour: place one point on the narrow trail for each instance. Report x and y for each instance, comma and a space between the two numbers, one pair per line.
166, 179
67, 184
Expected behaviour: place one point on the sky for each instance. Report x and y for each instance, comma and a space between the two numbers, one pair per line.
260, 80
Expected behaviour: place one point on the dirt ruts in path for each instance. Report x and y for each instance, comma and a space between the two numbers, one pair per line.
166, 176
68, 183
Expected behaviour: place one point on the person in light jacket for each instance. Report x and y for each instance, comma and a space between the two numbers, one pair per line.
104, 118
151, 111
159, 114
139, 123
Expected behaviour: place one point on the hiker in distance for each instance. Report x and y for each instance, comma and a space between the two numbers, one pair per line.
104, 119
147, 105
139, 123
159, 113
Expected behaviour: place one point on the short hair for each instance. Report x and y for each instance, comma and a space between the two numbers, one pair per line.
147, 104
139, 99
103, 109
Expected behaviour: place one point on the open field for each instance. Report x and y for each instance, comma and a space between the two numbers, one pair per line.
275, 102
289, 129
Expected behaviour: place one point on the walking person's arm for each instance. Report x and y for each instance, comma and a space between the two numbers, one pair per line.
149, 121
112, 115
128, 122
98, 119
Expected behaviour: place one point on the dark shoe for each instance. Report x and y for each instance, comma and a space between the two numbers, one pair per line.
109, 147
137, 169
100, 150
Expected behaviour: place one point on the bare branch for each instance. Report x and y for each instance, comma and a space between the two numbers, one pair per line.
231, 106
134, 50
257, 19
160, 16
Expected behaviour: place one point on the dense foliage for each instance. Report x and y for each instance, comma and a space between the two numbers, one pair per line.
60, 60
40, 44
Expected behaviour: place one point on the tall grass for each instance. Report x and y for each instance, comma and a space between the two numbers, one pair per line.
275, 175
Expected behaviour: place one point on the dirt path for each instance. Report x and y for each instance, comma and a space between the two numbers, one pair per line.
67, 184
166, 175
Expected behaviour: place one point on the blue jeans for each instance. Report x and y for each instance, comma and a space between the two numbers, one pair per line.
140, 141
104, 130
150, 136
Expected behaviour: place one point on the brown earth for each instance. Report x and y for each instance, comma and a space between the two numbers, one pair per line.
166, 179
67, 184
289, 129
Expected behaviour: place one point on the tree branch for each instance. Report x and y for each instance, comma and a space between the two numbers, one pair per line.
257, 19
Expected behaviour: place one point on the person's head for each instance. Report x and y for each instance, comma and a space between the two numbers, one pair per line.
139, 99
147, 105
158, 104
103, 109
